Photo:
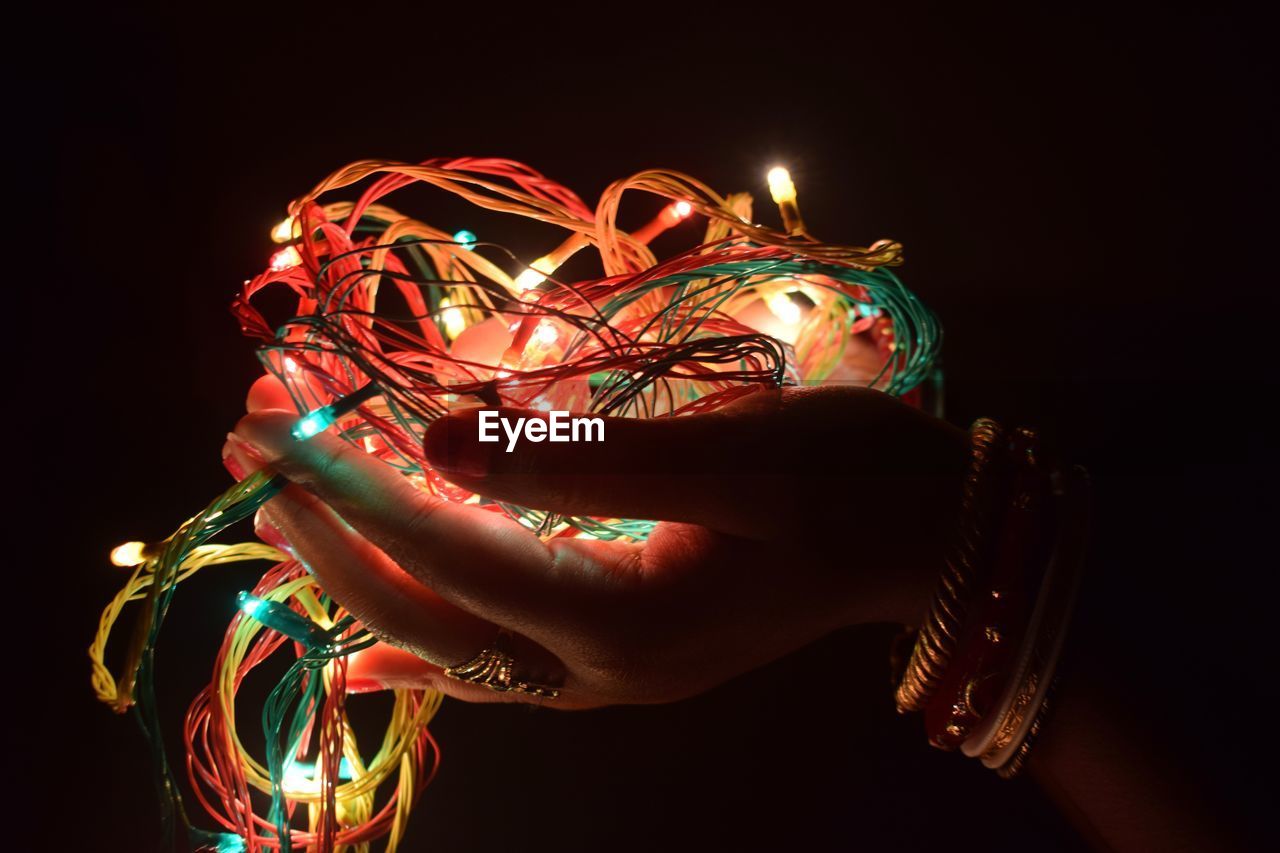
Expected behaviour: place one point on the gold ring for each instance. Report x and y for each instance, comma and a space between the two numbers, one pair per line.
493, 668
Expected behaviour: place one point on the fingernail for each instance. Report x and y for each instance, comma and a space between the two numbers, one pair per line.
268, 436
240, 458
364, 685
452, 446
246, 447
229, 461
270, 534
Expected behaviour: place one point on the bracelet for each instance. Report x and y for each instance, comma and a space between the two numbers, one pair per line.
936, 641
997, 621
984, 663
1005, 738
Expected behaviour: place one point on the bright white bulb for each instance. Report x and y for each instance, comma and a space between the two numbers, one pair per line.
546, 333
785, 308
780, 185
128, 554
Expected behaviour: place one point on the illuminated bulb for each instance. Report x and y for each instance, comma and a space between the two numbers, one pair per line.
313, 423
250, 604
785, 308
528, 280
283, 232
467, 239
683, 209
455, 322
780, 185
546, 333
536, 274
290, 365
128, 554
285, 258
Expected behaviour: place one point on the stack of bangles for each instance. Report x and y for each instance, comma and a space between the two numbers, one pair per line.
984, 661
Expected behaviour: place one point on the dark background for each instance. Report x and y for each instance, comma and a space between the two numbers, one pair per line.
1086, 198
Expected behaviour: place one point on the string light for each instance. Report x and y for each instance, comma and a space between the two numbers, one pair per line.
744, 308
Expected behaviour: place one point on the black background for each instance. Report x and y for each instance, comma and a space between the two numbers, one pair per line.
1086, 199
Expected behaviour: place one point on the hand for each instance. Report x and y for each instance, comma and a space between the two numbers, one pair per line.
784, 516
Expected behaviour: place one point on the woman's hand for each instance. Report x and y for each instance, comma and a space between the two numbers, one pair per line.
784, 516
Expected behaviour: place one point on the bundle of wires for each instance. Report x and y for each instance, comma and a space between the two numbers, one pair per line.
397, 321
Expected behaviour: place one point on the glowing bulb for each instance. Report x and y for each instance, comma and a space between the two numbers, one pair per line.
283, 232
536, 274
455, 322
250, 604
546, 333
785, 308
128, 554
290, 365
780, 185
683, 209
467, 239
285, 258
313, 423
528, 280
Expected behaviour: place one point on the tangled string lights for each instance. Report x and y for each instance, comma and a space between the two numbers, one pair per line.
395, 322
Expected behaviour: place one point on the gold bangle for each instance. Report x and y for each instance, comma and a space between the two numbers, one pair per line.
936, 640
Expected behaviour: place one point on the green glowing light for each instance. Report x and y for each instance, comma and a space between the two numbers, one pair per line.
466, 238
250, 604
279, 617
313, 423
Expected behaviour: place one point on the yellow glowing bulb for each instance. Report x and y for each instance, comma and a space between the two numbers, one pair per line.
528, 280
455, 322
785, 309
683, 209
536, 274
128, 554
780, 185
283, 232
286, 258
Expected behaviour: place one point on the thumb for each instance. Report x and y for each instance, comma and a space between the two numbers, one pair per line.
707, 469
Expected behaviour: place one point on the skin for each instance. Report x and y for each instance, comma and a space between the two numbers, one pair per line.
756, 555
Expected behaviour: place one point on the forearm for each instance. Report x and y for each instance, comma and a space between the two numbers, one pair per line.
1108, 756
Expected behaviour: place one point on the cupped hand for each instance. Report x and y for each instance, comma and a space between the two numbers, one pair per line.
784, 516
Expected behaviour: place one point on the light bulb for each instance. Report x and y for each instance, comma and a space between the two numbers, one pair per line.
536, 274
455, 322
128, 554
546, 333
286, 258
283, 232
780, 185
785, 308
683, 209
467, 239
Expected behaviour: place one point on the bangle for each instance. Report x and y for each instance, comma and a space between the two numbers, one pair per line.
1005, 737
997, 621
936, 641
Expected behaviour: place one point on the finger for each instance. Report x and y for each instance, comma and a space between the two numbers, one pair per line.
368, 583
482, 562
708, 469
385, 667
268, 392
